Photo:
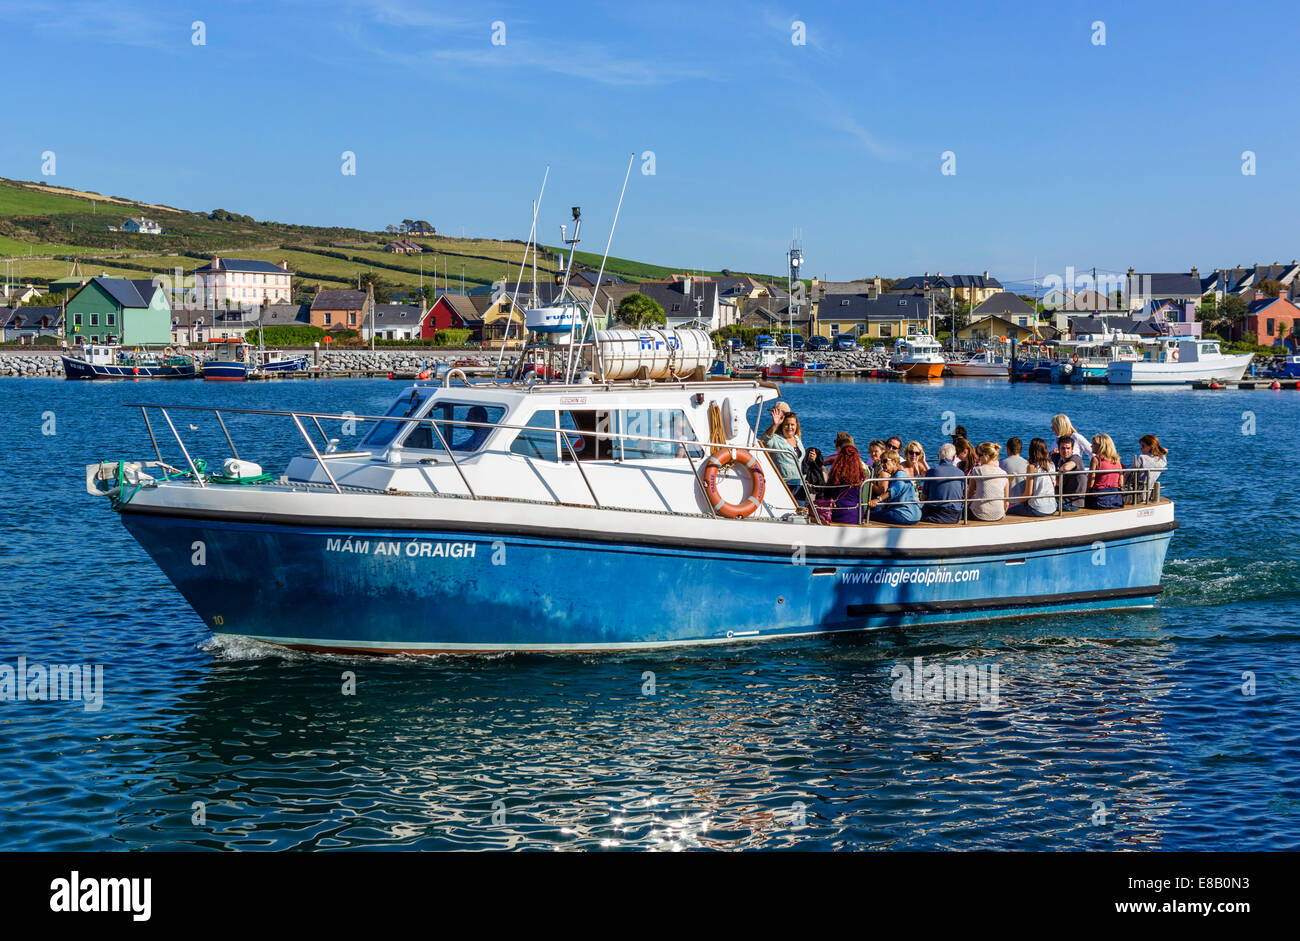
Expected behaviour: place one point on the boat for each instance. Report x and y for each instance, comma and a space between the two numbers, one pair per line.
1087, 357
111, 361
226, 360
775, 363
236, 360
1178, 361
1290, 368
985, 363
589, 513
918, 356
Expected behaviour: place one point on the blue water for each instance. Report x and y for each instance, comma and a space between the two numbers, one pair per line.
1115, 731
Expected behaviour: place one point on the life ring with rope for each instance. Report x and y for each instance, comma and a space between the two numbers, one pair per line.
1075, 359
1173, 355
724, 458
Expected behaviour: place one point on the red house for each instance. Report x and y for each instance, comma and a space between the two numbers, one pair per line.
451, 312
1269, 318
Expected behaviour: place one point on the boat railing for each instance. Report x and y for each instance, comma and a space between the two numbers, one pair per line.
686, 446
1140, 484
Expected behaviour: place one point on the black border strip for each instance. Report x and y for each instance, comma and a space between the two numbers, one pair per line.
521, 529
976, 604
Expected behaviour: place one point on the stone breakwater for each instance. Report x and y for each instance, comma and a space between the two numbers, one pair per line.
31, 363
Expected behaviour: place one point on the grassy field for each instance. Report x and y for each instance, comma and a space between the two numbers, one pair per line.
33, 223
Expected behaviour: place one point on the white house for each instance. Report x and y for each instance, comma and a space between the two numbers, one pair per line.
242, 282
394, 322
142, 226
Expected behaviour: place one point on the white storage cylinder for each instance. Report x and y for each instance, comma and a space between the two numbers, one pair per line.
667, 354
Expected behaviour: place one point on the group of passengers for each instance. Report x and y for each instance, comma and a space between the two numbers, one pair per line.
894, 483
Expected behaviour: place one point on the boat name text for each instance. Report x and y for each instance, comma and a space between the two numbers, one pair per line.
415, 548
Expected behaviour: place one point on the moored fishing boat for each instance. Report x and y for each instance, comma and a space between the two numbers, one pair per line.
918, 356
983, 364
226, 361
1180, 360
110, 361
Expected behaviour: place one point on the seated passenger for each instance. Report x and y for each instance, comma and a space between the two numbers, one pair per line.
874, 450
1074, 476
944, 489
844, 486
814, 468
1146, 469
1014, 465
787, 452
1103, 484
841, 440
899, 505
1040, 484
1063, 428
988, 485
914, 461
477, 436
965, 460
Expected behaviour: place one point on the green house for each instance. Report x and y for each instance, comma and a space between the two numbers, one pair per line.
130, 311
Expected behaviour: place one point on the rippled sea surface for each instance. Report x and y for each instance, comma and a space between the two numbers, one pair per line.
1171, 728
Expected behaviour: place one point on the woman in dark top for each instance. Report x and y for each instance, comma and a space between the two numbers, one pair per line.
814, 468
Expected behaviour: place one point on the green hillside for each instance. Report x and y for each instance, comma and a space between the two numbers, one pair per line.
44, 229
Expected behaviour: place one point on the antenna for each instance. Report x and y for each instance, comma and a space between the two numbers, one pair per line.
591, 309
514, 300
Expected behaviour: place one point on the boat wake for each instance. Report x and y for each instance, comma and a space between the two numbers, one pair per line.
1222, 581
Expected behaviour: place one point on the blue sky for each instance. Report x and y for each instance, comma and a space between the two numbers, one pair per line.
1066, 152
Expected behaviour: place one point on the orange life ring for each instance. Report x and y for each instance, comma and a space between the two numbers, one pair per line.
757, 482
1075, 359
1173, 355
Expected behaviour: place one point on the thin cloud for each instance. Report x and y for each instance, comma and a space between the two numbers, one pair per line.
852, 128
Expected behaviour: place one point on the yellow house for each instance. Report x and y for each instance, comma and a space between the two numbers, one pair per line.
886, 317
994, 327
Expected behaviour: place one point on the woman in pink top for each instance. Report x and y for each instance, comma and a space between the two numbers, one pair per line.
1108, 472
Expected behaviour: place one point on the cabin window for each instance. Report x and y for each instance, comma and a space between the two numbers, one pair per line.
384, 432
465, 438
585, 431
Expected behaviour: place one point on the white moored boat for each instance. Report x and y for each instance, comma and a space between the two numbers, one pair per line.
1178, 360
984, 363
918, 356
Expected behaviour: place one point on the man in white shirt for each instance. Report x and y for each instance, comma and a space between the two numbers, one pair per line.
1016, 466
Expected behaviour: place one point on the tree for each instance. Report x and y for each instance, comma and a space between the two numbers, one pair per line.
428, 291
1228, 313
383, 290
637, 310
1270, 287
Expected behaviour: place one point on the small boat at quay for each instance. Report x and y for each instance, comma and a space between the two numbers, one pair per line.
918, 356
615, 505
235, 360
1087, 358
111, 361
1179, 361
983, 364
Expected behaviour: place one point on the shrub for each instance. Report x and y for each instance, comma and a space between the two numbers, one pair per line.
451, 337
287, 336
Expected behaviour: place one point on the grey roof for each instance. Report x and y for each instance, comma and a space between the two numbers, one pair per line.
1166, 284
1123, 323
884, 307
245, 264
672, 296
588, 277
921, 282
1003, 302
285, 315
128, 292
397, 315
30, 317
339, 300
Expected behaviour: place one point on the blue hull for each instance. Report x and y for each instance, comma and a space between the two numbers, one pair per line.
225, 370
388, 591
79, 369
